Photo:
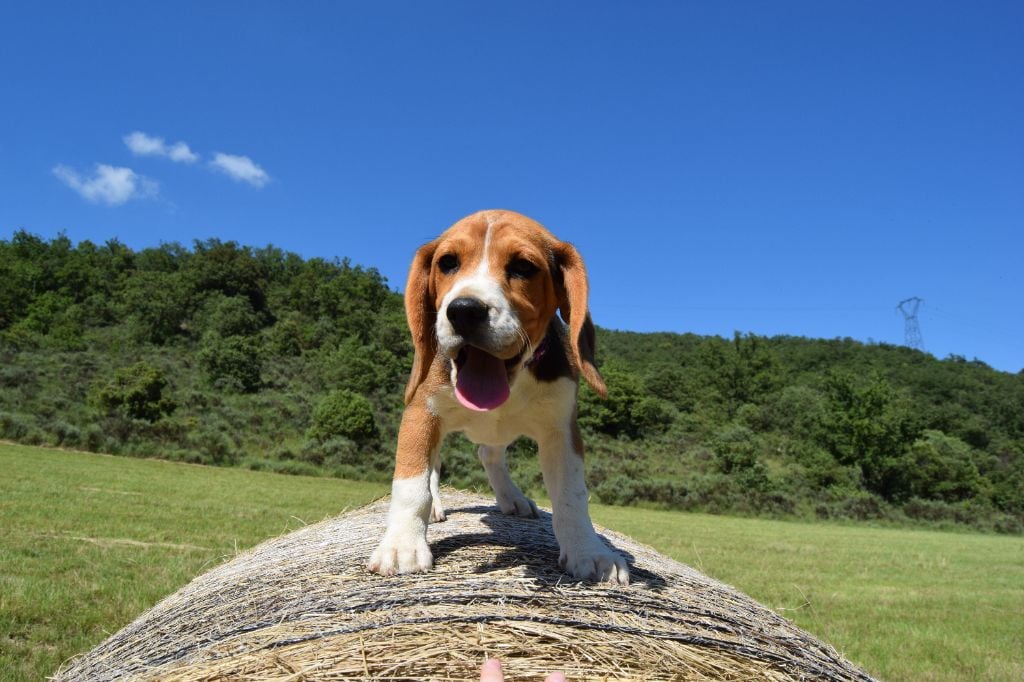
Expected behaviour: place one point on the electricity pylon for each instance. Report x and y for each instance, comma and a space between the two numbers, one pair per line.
912, 330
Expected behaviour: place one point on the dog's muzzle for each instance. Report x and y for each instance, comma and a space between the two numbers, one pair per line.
481, 378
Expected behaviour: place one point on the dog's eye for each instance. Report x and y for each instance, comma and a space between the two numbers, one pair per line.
521, 268
448, 263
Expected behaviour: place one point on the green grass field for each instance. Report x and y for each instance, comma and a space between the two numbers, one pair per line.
88, 542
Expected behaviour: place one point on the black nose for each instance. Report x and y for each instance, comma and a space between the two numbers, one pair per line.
466, 315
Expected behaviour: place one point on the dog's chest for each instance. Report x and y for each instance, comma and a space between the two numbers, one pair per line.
533, 409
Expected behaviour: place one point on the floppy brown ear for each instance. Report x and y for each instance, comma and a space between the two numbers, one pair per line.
572, 303
420, 313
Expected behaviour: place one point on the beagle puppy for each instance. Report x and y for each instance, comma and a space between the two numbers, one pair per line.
493, 361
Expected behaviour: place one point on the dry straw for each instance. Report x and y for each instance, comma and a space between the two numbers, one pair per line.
303, 607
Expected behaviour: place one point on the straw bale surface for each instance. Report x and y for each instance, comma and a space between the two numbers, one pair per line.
304, 607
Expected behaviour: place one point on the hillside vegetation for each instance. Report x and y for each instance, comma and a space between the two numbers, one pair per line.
233, 355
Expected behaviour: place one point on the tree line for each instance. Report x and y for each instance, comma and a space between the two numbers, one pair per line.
227, 354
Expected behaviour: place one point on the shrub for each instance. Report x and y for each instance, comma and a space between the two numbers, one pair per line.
214, 447
344, 414
333, 452
14, 426
461, 467
63, 433
290, 467
617, 489
862, 506
93, 438
735, 448
137, 392
821, 470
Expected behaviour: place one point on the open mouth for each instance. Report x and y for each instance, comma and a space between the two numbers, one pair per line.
481, 379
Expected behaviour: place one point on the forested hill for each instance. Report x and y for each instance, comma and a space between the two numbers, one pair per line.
234, 355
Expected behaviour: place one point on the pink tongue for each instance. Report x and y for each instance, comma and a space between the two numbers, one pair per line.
482, 382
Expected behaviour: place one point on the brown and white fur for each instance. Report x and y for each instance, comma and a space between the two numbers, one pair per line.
507, 276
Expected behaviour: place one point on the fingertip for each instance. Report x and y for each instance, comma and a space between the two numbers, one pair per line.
490, 671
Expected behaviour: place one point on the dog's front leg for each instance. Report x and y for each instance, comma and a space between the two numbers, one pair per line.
582, 554
404, 549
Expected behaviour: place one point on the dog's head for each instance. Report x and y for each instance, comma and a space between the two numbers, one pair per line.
482, 296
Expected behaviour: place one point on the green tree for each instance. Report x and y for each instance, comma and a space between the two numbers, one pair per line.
290, 335
941, 467
627, 411
158, 304
226, 316
744, 371
230, 269
800, 411
45, 311
869, 426
231, 362
364, 368
137, 391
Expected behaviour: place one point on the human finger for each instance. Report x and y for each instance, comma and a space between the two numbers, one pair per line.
490, 671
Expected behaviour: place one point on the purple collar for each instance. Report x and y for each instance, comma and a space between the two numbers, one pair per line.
539, 353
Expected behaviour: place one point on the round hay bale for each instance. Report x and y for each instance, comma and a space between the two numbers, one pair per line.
304, 607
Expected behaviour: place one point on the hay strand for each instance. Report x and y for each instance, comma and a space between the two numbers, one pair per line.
303, 607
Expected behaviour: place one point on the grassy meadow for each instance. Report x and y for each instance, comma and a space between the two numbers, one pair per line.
88, 542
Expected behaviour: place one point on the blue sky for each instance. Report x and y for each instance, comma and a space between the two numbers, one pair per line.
773, 167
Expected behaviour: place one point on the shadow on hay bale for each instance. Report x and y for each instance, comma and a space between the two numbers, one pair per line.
303, 607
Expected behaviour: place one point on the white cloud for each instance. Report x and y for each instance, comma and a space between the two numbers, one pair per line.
180, 152
111, 185
142, 144
240, 168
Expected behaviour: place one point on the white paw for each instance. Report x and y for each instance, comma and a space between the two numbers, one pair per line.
401, 554
515, 503
437, 511
595, 563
